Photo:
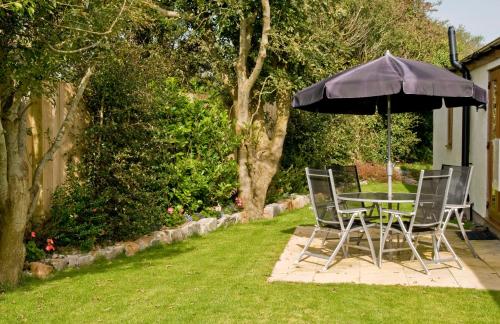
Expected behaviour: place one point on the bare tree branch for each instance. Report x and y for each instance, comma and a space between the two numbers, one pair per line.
4, 184
69, 5
82, 49
109, 30
97, 43
276, 145
245, 42
21, 134
259, 99
163, 12
25, 109
264, 40
35, 187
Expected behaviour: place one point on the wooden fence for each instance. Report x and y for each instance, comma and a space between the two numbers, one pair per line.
44, 119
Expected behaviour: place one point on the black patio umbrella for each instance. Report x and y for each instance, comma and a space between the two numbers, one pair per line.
388, 85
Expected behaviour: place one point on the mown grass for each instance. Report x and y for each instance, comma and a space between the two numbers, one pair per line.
222, 277
397, 186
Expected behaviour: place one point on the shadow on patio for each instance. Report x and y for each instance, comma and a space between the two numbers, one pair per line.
397, 269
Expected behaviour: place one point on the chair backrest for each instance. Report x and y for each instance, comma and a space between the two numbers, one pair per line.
460, 183
323, 195
346, 178
432, 193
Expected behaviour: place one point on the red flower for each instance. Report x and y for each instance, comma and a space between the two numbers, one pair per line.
239, 202
50, 245
170, 210
33, 234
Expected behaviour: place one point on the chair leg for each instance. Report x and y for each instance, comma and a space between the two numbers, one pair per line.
448, 246
341, 243
416, 245
324, 240
360, 238
442, 227
435, 247
344, 249
369, 239
316, 229
459, 217
412, 247
384, 238
348, 241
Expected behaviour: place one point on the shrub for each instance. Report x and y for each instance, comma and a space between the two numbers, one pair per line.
318, 140
149, 147
33, 252
375, 172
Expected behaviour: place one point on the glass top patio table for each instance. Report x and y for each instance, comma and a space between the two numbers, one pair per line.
378, 197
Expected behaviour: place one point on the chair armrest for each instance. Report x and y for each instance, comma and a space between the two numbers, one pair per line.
397, 212
352, 211
451, 206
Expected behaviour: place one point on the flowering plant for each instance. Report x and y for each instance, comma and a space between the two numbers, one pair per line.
33, 252
175, 215
50, 245
239, 202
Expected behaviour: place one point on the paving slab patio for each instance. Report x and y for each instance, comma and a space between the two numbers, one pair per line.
397, 269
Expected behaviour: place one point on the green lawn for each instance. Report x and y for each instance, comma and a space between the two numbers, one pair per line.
222, 278
397, 186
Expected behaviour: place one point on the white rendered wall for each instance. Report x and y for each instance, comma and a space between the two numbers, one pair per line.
441, 154
478, 140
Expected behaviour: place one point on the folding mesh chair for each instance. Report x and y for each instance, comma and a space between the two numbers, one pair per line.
457, 198
347, 180
426, 217
346, 177
330, 217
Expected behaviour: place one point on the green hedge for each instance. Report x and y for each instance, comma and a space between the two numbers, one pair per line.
150, 156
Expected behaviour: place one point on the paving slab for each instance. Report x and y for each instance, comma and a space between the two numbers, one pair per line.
397, 268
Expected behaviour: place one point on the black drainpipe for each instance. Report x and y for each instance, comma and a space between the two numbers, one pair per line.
466, 109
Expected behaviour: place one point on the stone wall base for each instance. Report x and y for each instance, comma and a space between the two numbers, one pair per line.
165, 236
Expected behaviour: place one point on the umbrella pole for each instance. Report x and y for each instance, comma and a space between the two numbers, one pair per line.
389, 161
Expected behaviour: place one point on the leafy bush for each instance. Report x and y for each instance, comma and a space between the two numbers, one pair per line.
318, 140
375, 172
149, 147
33, 252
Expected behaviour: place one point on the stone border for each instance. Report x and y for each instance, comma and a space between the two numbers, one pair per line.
204, 226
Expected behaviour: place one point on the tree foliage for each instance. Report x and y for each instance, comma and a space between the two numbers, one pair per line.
369, 28
44, 43
148, 147
152, 143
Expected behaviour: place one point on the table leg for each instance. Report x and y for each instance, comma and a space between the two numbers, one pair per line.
381, 244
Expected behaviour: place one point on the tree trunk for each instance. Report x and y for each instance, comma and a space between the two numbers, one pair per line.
17, 205
259, 158
14, 211
12, 228
259, 152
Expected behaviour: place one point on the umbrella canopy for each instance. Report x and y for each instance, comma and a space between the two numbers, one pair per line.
388, 85
412, 85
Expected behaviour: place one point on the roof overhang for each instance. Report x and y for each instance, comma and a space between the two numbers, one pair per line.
484, 55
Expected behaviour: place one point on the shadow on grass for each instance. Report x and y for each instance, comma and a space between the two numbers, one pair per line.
410, 187
141, 260
292, 230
